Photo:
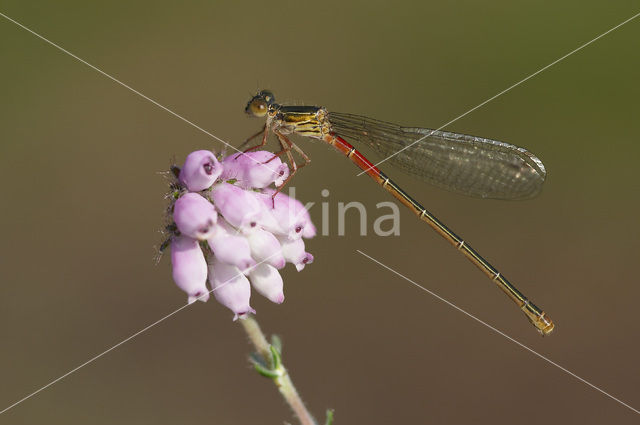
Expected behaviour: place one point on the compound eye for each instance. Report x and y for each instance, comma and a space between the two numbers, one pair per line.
268, 96
258, 107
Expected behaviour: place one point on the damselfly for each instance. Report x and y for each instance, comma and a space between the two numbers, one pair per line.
469, 165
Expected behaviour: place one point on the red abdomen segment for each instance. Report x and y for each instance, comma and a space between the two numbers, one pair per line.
355, 156
537, 317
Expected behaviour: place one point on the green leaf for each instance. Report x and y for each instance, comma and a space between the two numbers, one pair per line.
329, 420
275, 357
266, 372
257, 358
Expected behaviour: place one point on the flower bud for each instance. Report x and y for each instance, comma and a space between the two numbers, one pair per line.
290, 214
189, 268
255, 169
293, 251
308, 259
265, 248
200, 171
195, 216
266, 280
309, 230
231, 288
239, 207
231, 248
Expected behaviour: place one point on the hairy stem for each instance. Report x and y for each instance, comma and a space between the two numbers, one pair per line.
282, 379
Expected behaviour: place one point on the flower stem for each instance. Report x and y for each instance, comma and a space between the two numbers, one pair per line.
281, 377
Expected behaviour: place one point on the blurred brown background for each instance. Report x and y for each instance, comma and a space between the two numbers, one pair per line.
82, 203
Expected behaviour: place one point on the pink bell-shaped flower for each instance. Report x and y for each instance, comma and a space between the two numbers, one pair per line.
195, 216
256, 169
266, 280
189, 268
238, 206
200, 170
230, 287
265, 248
291, 216
294, 252
231, 248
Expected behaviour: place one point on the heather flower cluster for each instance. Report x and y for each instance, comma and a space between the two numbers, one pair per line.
233, 231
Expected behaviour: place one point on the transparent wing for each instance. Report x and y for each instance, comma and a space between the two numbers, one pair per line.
469, 165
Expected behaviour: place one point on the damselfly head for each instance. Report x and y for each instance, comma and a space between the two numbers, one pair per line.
259, 104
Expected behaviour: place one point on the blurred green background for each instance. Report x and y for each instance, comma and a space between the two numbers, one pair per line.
83, 203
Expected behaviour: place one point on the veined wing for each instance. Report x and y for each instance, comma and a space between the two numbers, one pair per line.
460, 163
